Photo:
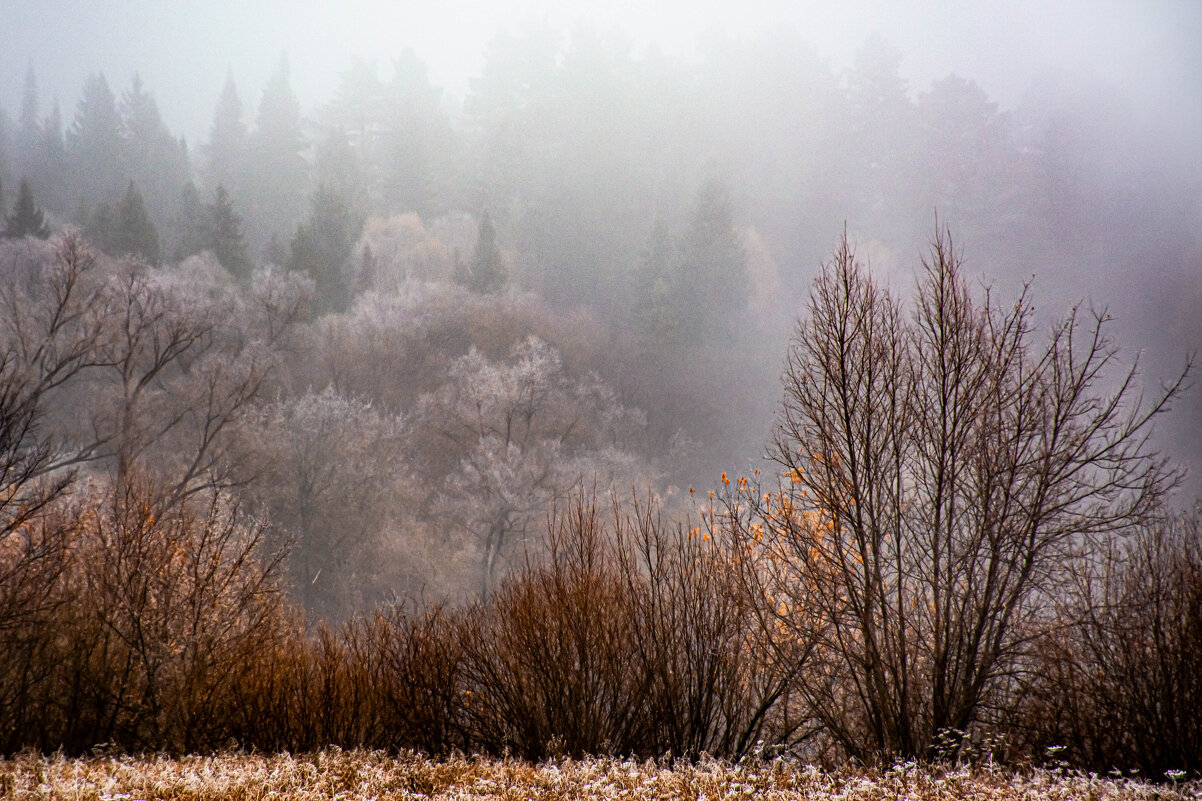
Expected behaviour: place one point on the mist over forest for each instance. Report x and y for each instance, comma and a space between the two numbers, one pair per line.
397, 332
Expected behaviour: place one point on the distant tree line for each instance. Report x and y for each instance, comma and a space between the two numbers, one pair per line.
687, 203
585, 156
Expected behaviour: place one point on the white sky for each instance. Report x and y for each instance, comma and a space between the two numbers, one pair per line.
183, 48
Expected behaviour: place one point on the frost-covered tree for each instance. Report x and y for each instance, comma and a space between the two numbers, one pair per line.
327, 468
524, 431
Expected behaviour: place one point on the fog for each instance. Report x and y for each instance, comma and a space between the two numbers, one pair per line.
476, 253
184, 49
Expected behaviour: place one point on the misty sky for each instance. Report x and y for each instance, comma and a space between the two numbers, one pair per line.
1151, 49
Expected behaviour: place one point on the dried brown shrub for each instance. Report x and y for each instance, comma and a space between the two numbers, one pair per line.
1120, 683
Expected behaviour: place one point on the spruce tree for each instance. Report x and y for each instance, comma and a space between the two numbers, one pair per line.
278, 175
5, 154
29, 128
94, 146
653, 291
711, 280
136, 231
226, 152
190, 223
223, 235
369, 270
322, 248
27, 219
126, 229
52, 171
37, 152
486, 272
154, 159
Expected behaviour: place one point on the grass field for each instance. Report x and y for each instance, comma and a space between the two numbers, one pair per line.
362, 775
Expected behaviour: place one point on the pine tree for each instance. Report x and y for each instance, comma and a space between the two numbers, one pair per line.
711, 280
486, 273
190, 223
278, 175
653, 292
879, 165
369, 270
126, 230
322, 248
154, 159
27, 219
226, 152
137, 233
38, 153
52, 170
29, 129
336, 166
94, 146
414, 153
276, 252
223, 235
5, 152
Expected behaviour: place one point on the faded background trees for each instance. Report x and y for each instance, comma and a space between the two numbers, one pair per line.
682, 204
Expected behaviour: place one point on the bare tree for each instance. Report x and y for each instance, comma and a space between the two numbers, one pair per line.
329, 470
938, 471
522, 431
48, 335
139, 368
165, 606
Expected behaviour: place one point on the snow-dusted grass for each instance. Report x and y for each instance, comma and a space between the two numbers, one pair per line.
365, 774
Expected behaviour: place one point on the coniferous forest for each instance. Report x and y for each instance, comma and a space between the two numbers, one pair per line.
630, 405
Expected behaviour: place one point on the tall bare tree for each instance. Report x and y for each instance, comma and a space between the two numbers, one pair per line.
48, 336
939, 470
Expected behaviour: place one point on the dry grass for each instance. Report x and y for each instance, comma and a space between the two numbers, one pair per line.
374, 774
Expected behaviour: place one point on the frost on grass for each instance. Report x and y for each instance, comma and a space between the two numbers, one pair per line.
373, 774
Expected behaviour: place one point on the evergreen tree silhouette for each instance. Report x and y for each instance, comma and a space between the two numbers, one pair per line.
486, 272
27, 219
223, 235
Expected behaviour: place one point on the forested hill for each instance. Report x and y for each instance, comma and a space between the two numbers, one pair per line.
685, 203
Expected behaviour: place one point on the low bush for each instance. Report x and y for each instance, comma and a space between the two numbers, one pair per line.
1120, 683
